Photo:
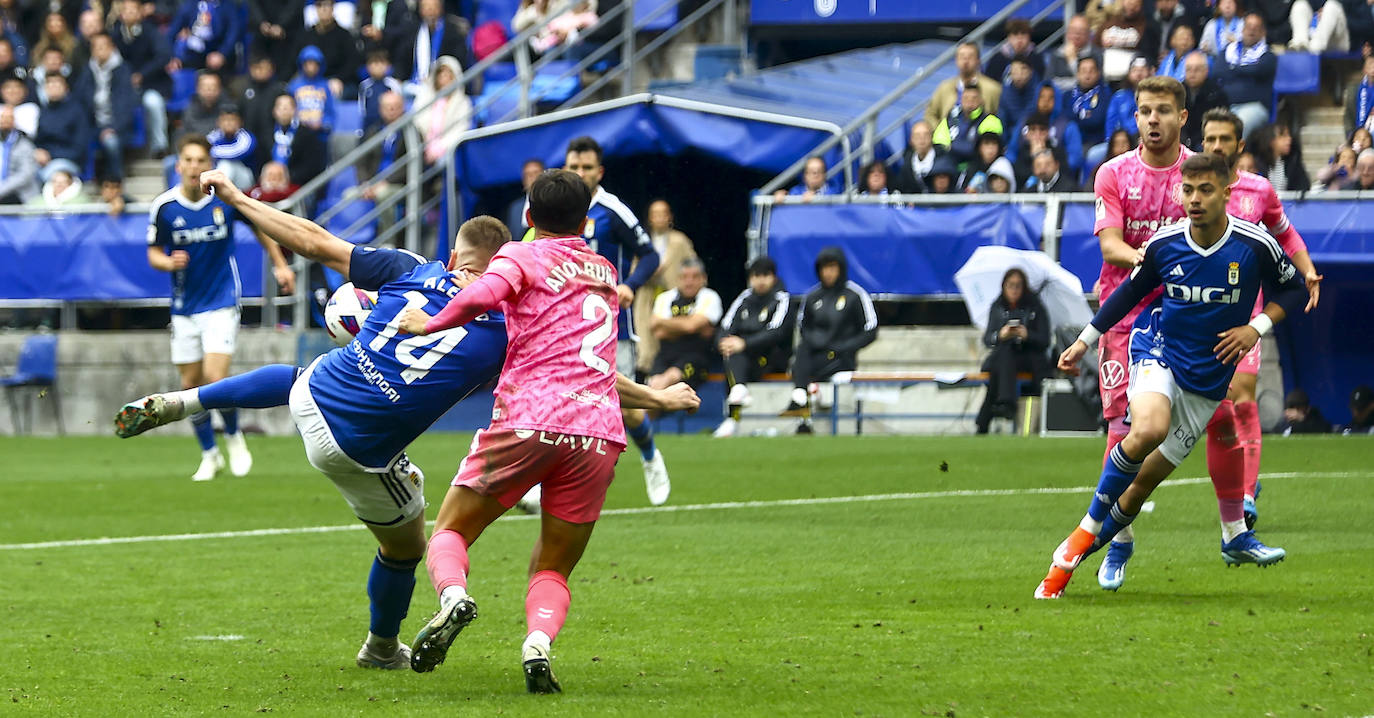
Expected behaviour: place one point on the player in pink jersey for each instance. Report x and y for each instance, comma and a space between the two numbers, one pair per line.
556, 421
1137, 193
1233, 434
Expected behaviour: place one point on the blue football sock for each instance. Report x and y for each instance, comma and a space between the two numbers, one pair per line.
1117, 475
230, 417
205, 431
1116, 522
643, 436
389, 587
258, 389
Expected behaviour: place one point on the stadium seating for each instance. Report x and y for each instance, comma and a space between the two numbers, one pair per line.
36, 369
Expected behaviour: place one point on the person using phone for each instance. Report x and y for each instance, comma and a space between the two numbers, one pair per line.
1018, 332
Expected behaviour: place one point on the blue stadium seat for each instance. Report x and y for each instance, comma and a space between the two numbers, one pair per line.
661, 22
36, 369
1299, 73
715, 62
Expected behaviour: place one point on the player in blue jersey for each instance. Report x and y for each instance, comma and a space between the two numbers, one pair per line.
614, 232
191, 235
1184, 349
358, 407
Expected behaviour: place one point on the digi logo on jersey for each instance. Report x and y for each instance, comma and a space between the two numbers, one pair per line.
193, 235
1202, 295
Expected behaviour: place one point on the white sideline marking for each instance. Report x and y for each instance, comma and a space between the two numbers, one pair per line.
225, 637
862, 498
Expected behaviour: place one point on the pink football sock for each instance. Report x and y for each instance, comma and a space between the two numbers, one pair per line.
1248, 431
546, 603
1226, 463
447, 560
1113, 438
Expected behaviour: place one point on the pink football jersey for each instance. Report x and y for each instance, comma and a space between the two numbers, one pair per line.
1253, 199
1137, 199
559, 373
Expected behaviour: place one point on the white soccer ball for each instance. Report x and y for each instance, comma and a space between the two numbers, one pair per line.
346, 311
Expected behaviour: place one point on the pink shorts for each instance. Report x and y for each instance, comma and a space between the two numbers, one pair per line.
1250, 363
1113, 364
575, 470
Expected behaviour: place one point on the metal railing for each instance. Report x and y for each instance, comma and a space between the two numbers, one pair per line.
866, 122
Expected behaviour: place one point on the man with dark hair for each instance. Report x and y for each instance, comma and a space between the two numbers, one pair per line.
343, 54
110, 96
1046, 176
614, 232
948, 94
202, 112
835, 321
1086, 104
960, 131
144, 48
1018, 46
191, 237
755, 337
515, 215
1204, 94
1361, 412
205, 34
1300, 417
300, 148
557, 202
1211, 268
64, 131
257, 92
430, 36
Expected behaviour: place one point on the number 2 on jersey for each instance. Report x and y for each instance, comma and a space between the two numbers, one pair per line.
600, 333
438, 344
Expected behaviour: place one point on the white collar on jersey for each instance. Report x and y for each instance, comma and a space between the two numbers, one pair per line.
184, 201
1226, 235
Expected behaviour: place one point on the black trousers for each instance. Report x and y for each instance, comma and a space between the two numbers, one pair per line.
818, 365
1002, 365
743, 367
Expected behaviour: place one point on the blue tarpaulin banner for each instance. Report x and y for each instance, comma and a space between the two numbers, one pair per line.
896, 250
75, 257
844, 12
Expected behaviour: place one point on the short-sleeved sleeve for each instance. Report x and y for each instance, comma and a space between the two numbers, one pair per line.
157, 233
663, 305
1107, 205
708, 305
509, 264
371, 267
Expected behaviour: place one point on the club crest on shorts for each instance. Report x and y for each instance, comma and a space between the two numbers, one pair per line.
218, 214
1233, 273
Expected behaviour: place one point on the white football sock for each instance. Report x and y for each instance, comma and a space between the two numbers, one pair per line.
451, 594
799, 396
538, 638
190, 401
1231, 529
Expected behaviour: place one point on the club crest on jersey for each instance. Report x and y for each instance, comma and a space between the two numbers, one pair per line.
839, 304
218, 215
1233, 272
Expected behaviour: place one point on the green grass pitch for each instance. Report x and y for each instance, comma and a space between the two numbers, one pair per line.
894, 606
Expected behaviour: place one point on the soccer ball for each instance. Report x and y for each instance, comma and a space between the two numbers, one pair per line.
346, 311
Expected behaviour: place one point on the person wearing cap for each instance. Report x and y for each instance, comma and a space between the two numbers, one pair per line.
1361, 412
310, 87
1300, 417
232, 147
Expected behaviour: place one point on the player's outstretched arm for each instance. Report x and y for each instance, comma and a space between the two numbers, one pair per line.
678, 397
295, 233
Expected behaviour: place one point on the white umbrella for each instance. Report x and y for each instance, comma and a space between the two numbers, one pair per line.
980, 281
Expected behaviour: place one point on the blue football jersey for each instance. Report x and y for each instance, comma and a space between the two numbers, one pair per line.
204, 229
1206, 292
614, 232
384, 389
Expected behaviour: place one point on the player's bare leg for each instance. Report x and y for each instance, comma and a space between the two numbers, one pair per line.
1150, 419
389, 588
656, 483
464, 515
1249, 433
559, 548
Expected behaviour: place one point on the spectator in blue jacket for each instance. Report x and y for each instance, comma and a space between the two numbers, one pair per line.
1018, 92
110, 96
146, 53
204, 34
233, 148
310, 87
64, 130
1121, 110
377, 83
1086, 105
1246, 69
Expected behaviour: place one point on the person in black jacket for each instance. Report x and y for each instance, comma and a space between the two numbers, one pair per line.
343, 53
444, 34
300, 148
918, 159
273, 29
836, 320
1019, 333
64, 131
110, 97
755, 336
